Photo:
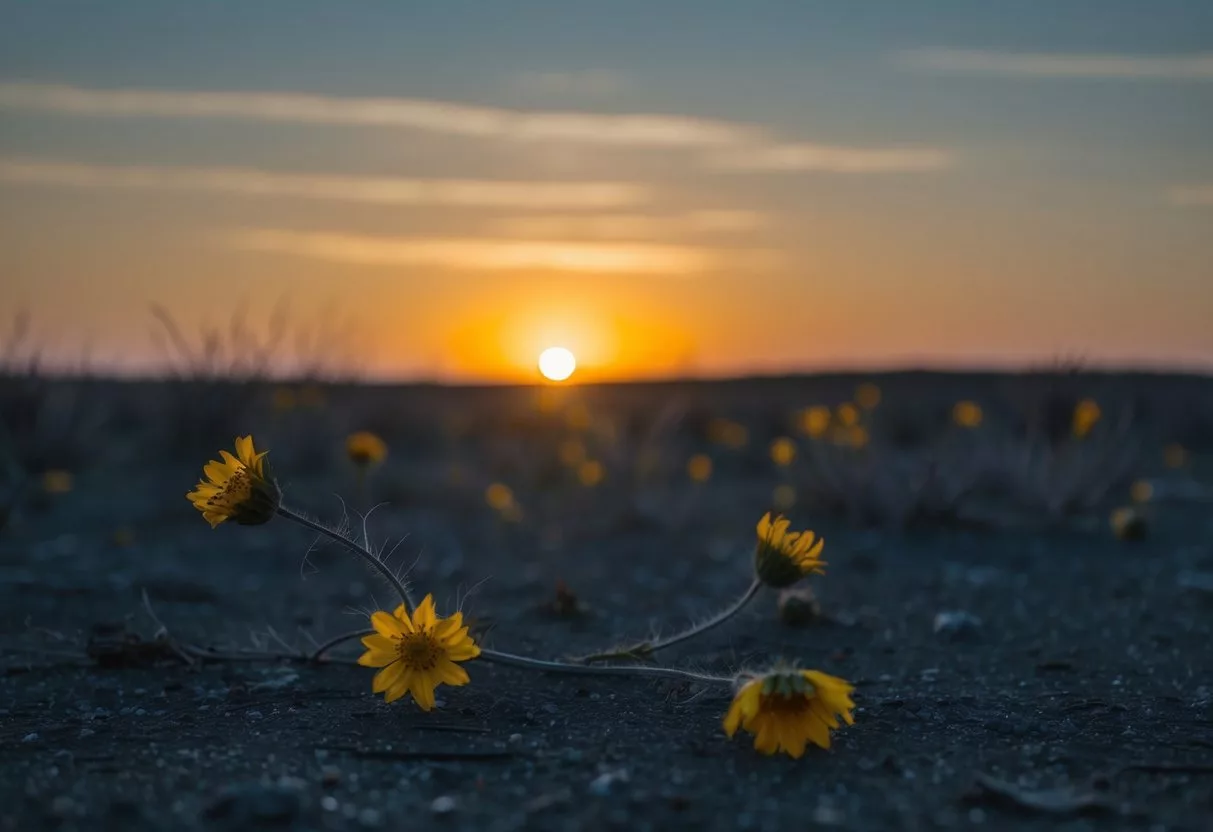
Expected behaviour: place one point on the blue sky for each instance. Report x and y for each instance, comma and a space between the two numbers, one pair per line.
940, 183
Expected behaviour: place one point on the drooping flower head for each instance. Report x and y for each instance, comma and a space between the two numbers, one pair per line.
787, 708
417, 654
237, 488
782, 558
365, 449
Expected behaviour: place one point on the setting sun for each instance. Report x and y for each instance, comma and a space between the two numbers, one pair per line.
557, 363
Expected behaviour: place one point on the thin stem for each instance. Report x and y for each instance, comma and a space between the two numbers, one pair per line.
378, 565
647, 648
319, 652
544, 666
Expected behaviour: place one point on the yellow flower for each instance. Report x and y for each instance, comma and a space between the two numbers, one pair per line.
1086, 413
1142, 491
848, 415
867, 395
238, 488
782, 558
786, 709
418, 654
590, 473
699, 468
815, 421
1175, 455
967, 414
783, 451
1128, 523
728, 433
365, 449
499, 496
56, 481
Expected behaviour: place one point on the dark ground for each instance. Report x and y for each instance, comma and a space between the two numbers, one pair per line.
1086, 687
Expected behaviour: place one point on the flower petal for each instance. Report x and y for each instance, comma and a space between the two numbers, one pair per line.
387, 677
422, 688
386, 625
450, 673
424, 617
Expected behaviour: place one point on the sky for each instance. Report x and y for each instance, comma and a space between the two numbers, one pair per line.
439, 191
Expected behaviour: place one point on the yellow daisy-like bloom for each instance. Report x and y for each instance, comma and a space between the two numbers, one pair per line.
365, 449
1086, 414
418, 654
782, 558
786, 709
238, 488
815, 421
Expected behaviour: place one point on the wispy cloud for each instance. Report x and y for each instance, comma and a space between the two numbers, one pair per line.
446, 117
590, 82
1195, 66
1191, 195
727, 145
482, 254
464, 193
629, 226
831, 159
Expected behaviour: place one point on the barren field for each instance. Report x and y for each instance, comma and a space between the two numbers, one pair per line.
1016, 663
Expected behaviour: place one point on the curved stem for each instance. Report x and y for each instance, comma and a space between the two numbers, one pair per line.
319, 652
544, 666
647, 648
376, 564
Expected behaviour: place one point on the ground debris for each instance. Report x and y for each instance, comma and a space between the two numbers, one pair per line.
991, 790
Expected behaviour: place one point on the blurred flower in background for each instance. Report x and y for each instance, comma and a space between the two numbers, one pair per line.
1087, 414
365, 449
783, 451
967, 414
867, 395
699, 468
815, 421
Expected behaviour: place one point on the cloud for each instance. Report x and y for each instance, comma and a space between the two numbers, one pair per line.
1191, 195
728, 145
1196, 66
476, 253
630, 226
831, 159
462, 193
445, 117
592, 82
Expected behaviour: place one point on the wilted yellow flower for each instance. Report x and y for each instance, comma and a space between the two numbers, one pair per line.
786, 709
783, 451
847, 414
1086, 413
867, 395
365, 449
815, 421
782, 558
499, 496
1175, 455
783, 497
238, 488
699, 468
967, 414
590, 473
1128, 523
1142, 491
418, 654
56, 481
572, 452
728, 433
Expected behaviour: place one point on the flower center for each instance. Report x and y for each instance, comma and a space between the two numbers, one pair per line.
420, 651
237, 489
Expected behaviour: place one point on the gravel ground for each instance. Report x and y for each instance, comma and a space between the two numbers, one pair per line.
1010, 679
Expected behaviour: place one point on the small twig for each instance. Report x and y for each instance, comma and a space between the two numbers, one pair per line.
162, 631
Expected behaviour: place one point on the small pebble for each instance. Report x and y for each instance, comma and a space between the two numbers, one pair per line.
328, 803
443, 805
